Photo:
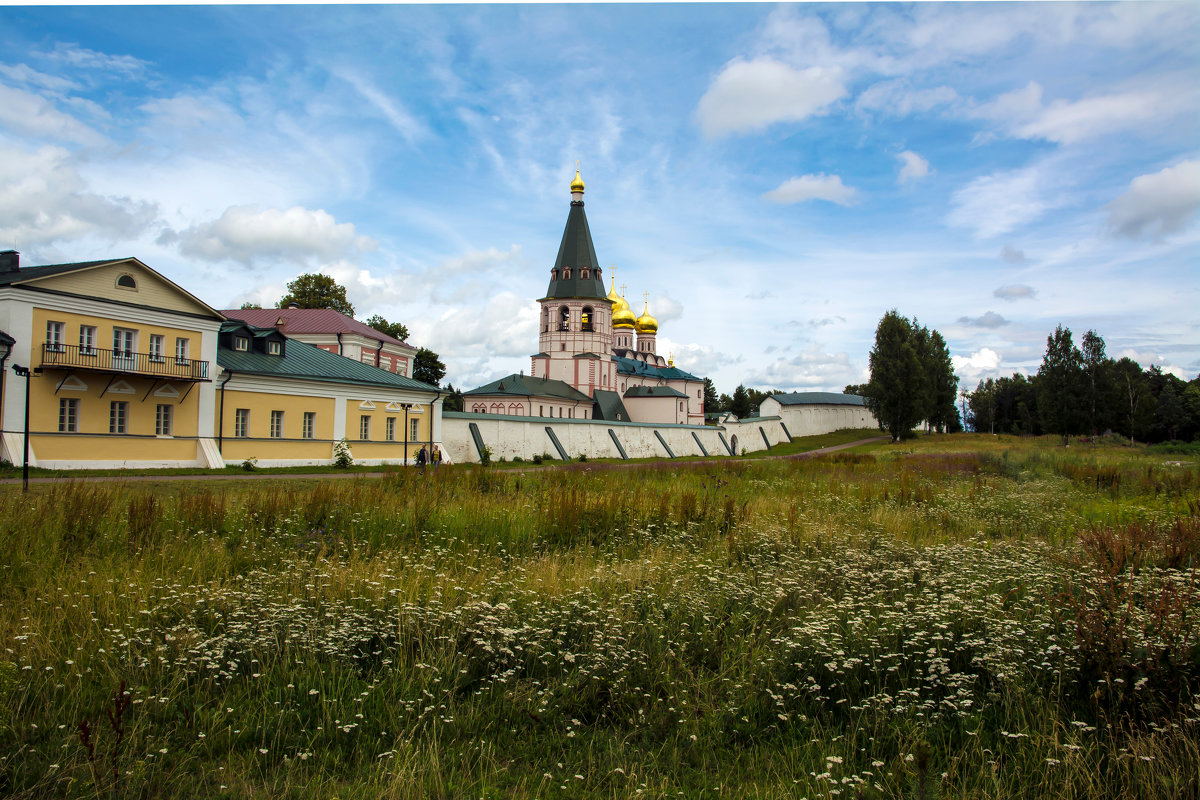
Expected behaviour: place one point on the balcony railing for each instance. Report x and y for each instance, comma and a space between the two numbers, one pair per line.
69, 356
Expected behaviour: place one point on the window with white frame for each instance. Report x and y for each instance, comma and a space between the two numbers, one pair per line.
309, 430
276, 424
182, 345
241, 343
390, 429
274, 348
68, 415
162, 419
118, 416
124, 344
241, 423
54, 336
158, 343
364, 427
87, 340
412, 431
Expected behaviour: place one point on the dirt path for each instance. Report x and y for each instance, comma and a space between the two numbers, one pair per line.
665, 463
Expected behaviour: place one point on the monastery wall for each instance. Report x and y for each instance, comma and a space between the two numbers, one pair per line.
817, 419
526, 437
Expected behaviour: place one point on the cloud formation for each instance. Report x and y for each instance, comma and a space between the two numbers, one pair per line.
1012, 255
913, 167
1157, 204
1001, 202
812, 187
247, 234
1014, 292
979, 364
750, 95
989, 320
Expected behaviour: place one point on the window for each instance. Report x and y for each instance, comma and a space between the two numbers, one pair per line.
241, 343
564, 319
54, 336
310, 425
413, 432
587, 318
567, 274
124, 347
87, 340
364, 427
118, 416
181, 350
68, 415
241, 423
126, 282
276, 424
162, 419
583, 273
274, 348
157, 345
390, 433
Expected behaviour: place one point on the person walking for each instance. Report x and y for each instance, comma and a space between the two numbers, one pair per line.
421, 458
437, 456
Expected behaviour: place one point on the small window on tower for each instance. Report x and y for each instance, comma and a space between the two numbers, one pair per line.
583, 273
564, 319
566, 273
587, 317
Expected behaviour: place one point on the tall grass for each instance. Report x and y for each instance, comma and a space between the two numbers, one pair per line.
991, 621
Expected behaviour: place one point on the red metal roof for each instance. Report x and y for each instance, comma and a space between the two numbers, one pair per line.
307, 320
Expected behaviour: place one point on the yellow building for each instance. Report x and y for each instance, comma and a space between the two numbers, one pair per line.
130, 370
126, 362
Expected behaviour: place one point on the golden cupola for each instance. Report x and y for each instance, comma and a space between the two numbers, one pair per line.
622, 314
646, 323
577, 184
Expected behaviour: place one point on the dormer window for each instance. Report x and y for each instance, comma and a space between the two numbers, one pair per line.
126, 281
274, 348
583, 273
241, 343
566, 273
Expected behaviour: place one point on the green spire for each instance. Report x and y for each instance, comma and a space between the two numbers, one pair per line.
576, 253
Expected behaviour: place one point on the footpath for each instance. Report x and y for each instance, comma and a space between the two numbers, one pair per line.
320, 476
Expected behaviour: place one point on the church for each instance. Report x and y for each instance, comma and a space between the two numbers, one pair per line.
595, 360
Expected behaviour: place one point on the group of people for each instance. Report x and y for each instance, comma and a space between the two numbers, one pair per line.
424, 458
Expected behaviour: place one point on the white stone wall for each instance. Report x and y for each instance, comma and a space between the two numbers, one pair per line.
813, 419
512, 437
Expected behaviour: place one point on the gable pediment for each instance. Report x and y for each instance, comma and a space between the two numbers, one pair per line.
125, 281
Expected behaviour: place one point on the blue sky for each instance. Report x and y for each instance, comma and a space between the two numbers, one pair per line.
775, 177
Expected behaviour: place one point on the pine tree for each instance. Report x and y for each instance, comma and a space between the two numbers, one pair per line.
740, 402
712, 403
1059, 385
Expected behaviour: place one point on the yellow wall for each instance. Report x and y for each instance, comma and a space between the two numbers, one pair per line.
261, 404
101, 283
81, 447
379, 417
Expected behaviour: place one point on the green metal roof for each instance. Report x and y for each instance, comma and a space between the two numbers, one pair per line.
529, 386
576, 251
631, 366
653, 391
609, 406
301, 360
818, 398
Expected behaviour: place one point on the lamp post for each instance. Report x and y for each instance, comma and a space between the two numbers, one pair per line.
406, 407
26, 372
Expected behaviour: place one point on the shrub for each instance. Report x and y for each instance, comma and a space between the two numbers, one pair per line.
250, 464
342, 458
485, 455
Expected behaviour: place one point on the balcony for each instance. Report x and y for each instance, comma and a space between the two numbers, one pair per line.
123, 362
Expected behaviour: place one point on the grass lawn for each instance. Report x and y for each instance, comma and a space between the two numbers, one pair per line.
955, 616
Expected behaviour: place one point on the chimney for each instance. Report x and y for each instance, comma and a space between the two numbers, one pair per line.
10, 261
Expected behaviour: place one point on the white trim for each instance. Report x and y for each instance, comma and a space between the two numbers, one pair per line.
120, 387
366, 405
73, 384
167, 391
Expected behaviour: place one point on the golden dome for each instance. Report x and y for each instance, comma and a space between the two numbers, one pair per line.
622, 315
646, 323
577, 184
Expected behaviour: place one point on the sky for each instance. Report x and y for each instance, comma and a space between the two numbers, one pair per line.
772, 179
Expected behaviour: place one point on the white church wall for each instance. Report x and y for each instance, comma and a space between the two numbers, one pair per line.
816, 418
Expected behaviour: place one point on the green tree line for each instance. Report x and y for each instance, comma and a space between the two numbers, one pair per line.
1080, 390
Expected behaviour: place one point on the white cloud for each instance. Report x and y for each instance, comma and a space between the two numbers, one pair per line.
1003, 201
43, 199
750, 95
665, 309
1014, 292
247, 234
811, 370
1157, 204
94, 61
388, 107
506, 326
989, 320
897, 98
812, 187
33, 116
914, 167
979, 364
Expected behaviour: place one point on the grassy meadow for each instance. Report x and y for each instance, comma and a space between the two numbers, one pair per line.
957, 616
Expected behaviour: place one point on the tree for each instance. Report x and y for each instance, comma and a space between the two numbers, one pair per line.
454, 399
740, 403
711, 401
897, 390
939, 368
428, 368
397, 330
1059, 385
314, 290
724, 403
249, 304
1137, 404
1097, 382
982, 403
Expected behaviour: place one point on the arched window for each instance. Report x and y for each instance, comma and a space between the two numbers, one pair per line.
583, 273
126, 281
566, 273
513, 408
564, 319
587, 318
553, 274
